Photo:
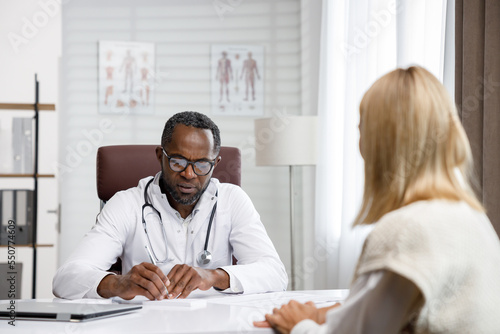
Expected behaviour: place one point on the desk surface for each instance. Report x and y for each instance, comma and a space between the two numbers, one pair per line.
202, 312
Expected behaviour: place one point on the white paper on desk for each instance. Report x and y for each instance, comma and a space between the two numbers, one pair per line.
189, 303
275, 299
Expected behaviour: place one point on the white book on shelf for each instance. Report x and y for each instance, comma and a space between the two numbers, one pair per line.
22, 145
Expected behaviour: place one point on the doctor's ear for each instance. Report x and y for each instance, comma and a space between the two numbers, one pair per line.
159, 154
219, 158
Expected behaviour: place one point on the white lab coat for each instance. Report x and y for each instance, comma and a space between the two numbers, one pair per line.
119, 233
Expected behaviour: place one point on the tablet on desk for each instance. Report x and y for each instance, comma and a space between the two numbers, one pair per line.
74, 312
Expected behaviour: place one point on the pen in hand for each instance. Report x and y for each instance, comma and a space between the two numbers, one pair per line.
153, 261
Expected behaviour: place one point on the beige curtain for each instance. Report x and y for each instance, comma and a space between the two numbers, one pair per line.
477, 93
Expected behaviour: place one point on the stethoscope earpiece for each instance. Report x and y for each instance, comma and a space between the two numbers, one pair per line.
204, 258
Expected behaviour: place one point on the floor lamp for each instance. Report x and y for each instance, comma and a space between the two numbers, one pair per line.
286, 141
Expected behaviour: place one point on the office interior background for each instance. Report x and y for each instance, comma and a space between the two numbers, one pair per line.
319, 58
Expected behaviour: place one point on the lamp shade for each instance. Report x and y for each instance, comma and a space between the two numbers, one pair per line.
285, 141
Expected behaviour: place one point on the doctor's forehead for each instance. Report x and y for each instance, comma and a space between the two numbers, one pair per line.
192, 140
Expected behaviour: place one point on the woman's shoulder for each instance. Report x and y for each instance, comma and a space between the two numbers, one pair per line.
430, 212
424, 223
410, 234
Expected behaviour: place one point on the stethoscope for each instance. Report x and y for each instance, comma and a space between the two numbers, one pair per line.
203, 258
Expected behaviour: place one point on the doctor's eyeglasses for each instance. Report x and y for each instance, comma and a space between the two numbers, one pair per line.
179, 164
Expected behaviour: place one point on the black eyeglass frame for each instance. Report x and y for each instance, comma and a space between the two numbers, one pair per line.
189, 162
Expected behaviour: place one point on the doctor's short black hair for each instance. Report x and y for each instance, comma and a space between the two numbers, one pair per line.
194, 119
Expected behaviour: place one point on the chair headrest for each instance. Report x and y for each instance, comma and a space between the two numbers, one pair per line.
120, 167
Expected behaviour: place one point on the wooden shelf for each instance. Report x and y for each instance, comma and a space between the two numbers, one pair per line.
34, 108
27, 106
27, 175
37, 246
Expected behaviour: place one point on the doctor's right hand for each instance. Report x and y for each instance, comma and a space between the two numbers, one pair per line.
144, 279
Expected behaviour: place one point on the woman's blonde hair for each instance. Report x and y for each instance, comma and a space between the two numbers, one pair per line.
413, 144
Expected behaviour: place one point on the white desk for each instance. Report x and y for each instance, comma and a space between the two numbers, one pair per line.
220, 314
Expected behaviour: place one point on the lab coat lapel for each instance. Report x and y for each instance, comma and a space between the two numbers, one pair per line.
199, 224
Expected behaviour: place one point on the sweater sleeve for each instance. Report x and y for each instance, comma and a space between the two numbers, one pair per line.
379, 302
399, 244
449, 251
309, 326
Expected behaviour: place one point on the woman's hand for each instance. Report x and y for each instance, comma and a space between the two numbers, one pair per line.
285, 318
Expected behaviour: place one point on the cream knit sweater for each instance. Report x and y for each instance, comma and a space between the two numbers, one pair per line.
451, 253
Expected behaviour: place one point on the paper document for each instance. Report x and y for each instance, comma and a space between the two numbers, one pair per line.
262, 301
269, 301
190, 303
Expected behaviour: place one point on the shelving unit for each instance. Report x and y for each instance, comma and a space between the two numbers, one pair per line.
36, 107
27, 175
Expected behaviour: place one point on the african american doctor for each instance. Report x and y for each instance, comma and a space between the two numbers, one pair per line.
177, 231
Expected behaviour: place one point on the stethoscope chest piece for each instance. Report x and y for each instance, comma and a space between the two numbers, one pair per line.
204, 258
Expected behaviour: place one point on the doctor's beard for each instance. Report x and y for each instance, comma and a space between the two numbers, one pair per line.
171, 189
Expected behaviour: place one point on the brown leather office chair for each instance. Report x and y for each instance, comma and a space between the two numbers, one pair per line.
120, 167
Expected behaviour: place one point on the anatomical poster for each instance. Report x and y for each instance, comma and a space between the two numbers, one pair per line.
126, 77
237, 80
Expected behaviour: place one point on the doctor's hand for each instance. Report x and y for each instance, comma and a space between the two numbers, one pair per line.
284, 319
144, 279
184, 279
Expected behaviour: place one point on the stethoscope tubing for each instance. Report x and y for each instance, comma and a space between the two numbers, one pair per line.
207, 238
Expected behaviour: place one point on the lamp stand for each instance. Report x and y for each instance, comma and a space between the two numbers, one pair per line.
292, 226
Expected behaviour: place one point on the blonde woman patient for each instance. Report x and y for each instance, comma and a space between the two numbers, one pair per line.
432, 261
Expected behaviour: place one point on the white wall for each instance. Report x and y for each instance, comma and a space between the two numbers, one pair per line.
33, 50
30, 42
183, 32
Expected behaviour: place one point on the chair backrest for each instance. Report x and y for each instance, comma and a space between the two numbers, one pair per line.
121, 167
